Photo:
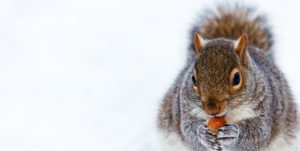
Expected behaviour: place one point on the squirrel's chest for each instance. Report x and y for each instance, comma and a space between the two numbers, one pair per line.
281, 143
171, 142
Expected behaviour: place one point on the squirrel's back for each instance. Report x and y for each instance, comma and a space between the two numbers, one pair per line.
232, 22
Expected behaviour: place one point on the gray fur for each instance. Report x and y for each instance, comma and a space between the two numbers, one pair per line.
265, 92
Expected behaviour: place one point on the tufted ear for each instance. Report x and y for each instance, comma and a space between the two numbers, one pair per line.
241, 47
198, 42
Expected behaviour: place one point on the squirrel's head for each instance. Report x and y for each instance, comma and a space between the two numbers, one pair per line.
219, 72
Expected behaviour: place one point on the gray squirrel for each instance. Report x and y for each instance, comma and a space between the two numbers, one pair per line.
230, 72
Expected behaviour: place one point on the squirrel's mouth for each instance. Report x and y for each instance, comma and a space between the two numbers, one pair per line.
223, 114
200, 113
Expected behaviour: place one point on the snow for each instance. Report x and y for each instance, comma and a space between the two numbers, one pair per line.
80, 75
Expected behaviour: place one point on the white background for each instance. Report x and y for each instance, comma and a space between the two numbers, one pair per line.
88, 75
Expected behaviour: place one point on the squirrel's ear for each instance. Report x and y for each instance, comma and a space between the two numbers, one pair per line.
198, 42
241, 47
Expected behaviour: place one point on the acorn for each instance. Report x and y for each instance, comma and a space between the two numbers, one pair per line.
215, 123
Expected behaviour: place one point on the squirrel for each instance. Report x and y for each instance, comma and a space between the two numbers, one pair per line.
230, 72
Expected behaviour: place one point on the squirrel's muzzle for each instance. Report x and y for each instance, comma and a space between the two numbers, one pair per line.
213, 108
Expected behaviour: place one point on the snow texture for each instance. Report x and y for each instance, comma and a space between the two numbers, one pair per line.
88, 75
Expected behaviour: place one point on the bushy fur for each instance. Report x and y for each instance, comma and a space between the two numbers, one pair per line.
263, 109
231, 22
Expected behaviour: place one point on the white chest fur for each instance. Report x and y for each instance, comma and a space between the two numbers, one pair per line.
282, 144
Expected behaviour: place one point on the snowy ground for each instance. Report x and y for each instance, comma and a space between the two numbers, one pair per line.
88, 75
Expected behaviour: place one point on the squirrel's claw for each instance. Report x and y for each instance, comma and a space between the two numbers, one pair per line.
228, 134
207, 139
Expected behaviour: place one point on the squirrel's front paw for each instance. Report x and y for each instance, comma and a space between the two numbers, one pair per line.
228, 135
207, 139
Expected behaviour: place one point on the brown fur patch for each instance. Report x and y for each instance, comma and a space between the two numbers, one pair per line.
231, 23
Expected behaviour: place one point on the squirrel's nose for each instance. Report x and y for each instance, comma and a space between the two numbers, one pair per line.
212, 109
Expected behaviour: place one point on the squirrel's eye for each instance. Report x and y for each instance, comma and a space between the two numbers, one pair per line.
194, 80
236, 79
195, 86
